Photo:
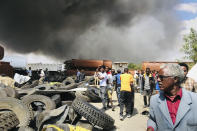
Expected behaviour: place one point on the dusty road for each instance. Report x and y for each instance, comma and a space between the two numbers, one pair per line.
137, 122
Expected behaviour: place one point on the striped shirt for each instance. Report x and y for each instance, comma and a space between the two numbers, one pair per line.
189, 84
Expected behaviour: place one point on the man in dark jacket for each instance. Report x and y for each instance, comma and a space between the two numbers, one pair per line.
148, 86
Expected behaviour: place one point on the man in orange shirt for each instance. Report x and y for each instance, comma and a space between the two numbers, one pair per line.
125, 93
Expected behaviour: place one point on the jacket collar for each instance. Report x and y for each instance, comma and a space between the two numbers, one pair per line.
184, 107
148, 76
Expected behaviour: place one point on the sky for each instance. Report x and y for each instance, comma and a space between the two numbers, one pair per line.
185, 11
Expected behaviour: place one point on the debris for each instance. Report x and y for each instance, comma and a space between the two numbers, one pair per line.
21, 79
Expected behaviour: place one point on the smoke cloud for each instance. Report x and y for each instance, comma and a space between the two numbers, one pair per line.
131, 30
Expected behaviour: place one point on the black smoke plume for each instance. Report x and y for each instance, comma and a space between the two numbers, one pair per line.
90, 29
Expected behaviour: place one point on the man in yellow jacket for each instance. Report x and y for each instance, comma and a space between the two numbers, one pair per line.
125, 93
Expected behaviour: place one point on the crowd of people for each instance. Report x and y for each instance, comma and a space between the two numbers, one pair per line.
149, 83
122, 83
41, 75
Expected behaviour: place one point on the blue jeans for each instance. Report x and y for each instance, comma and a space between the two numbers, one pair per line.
103, 93
118, 94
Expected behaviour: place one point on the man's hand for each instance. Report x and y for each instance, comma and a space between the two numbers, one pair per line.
100, 77
131, 84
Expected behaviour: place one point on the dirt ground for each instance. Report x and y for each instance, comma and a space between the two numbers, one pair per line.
137, 122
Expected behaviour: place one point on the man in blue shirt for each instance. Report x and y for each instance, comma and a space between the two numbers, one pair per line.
118, 85
78, 75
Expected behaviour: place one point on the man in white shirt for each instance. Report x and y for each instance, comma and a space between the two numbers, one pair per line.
42, 76
103, 86
109, 87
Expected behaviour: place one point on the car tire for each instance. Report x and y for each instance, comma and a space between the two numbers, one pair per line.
8, 120
93, 114
23, 113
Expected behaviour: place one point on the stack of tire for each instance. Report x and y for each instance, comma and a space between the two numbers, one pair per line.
19, 113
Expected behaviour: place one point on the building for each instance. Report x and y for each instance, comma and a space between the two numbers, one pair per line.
119, 65
155, 65
50, 67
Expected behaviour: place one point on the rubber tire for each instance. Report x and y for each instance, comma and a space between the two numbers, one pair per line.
93, 114
91, 81
3, 93
68, 103
25, 86
49, 104
92, 94
57, 99
11, 92
25, 129
23, 113
69, 87
34, 84
81, 95
8, 120
68, 80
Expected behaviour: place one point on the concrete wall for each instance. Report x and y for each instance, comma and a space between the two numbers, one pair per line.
119, 65
51, 67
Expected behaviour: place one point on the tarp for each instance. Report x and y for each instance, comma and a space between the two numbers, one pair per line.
193, 73
21, 78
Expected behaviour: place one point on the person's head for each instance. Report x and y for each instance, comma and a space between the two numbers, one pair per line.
113, 71
29, 68
148, 71
126, 70
118, 71
99, 66
102, 69
107, 69
170, 75
46, 69
184, 67
142, 72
